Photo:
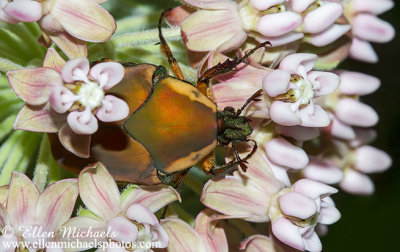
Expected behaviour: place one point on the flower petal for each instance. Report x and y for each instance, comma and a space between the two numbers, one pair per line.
3, 195
72, 47
313, 189
341, 130
141, 214
38, 119
297, 205
328, 215
283, 153
300, 6
292, 62
284, 22
329, 35
182, 237
357, 183
84, 19
125, 231
53, 60
257, 243
282, 114
369, 159
99, 192
76, 70
82, 123
152, 197
213, 234
22, 198
327, 82
288, 233
371, 6
323, 17
34, 85
362, 50
297, 132
61, 99
82, 225
323, 172
354, 83
264, 4
24, 10
371, 28
56, 203
113, 109
74, 143
313, 243
355, 113
318, 119
108, 74
276, 83
9, 241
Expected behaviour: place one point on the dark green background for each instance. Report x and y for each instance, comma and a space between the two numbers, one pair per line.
372, 223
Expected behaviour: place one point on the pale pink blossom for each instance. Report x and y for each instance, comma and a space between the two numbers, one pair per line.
20, 11
129, 216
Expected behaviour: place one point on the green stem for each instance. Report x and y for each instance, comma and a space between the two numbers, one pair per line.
7, 65
125, 25
193, 183
243, 226
6, 127
42, 164
145, 37
183, 214
34, 48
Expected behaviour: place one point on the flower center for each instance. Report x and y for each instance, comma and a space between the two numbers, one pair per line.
302, 89
90, 95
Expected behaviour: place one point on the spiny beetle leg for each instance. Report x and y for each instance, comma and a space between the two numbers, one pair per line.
167, 51
254, 97
175, 179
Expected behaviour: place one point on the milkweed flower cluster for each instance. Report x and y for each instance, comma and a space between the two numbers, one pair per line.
312, 129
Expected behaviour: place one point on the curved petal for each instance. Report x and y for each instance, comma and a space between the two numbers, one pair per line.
300, 6
322, 18
313, 243
292, 62
210, 4
283, 153
313, 189
371, 28
108, 74
356, 113
371, 6
298, 132
113, 109
72, 47
357, 183
82, 123
182, 237
99, 192
22, 198
9, 241
354, 83
141, 214
74, 143
363, 136
82, 225
323, 172
61, 99
341, 130
362, 50
369, 159
84, 19
288, 233
53, 60
4, 218
56, 203
328, 215
297, 205
329, 35
3, 196
257, 243
317, 119
124, 230
264, 4
34, 85
213, 234
282, 113
39, 119
276, 83
326, 81
284, 22
152, 197
24, 10
76, 70
234, 197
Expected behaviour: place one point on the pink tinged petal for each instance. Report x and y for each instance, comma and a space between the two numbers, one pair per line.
182, 237
76, 70
124, 230
234, 196
56, 203
4, 16
300, 6
297, 205
298, 132
74, 143
113, 109
328, 214
3, 197
313, 243
22, 198
281, 40
354, 83
84, 20
61, 99
162, 236
53, 60
326, 81
329, 35
363, 136
82, 123
280, 174
9, 241
322, 18
82, 225
323, 172
34, 85
282, 113
99, 192
24, 10
107, 74
72, 47
257, 243
317, 119
372, 6
369, 159
212, 234
276, 83
288, 233
38, 119
357, 183
211, 4
176, 16
283, 153
207, 30
284, 22
264, 4
4, 218
370, 28
152, 197
363, 51
355, 113
141, 214
341, 130
293, 62
313, 189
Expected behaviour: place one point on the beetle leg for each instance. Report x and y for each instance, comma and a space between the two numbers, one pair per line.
167, 51
254, 97
223, 68
175, 179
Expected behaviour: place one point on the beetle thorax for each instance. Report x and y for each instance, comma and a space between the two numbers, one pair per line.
232, 127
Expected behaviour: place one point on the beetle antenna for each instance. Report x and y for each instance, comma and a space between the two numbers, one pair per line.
254, 97
167, 51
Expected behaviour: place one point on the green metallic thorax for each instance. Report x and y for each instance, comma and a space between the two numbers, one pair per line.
232, 127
